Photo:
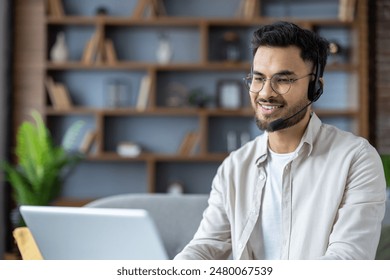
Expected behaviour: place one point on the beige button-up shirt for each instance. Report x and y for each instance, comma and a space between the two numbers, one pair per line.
333, 200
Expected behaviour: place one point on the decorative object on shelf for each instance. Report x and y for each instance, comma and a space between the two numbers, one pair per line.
249, 9
231, 141
128, 149
59, 51
101, 11
197, 97
149, 8
235, 140
118, 94
41, 165
164, 50
175, 188
334, 47
337, 53
230, 47
58, 94
177, 95
245, 137
229, 94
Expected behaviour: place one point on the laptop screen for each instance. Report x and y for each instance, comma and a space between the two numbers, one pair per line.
78, 233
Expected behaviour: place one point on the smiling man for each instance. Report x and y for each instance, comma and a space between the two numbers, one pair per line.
302, 189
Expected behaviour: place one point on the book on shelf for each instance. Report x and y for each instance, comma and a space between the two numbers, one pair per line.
249, 9
58, 94
149, 8
62, 96
95, 48
55, 8
89, 50
189, 144
100, 45
144, 93
87, 141
347, 10
111, 57
99, 50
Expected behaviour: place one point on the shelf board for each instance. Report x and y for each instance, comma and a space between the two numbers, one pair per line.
75, 110
123, 111
185, 21
144, 66
210, 157
113, 156
158, 157
176, 66
77, 65
124, 21
184, 111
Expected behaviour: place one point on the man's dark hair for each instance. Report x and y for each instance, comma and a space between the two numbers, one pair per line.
284, 34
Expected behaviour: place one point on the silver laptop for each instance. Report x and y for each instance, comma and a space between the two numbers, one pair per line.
79, 233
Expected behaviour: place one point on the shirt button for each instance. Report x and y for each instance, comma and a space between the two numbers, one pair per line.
262, 177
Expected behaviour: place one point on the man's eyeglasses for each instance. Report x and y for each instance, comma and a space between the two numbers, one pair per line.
280, 83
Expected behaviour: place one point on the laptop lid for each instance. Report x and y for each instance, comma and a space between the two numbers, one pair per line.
77, 233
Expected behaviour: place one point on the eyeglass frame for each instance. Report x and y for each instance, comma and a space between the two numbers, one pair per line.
264, 80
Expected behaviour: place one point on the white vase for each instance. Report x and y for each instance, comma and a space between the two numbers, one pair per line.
164, 51
59, 51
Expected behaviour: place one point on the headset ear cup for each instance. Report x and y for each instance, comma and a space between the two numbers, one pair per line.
318, 90
315, 86
310, 91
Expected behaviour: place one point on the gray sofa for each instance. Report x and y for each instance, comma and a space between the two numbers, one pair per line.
177, 217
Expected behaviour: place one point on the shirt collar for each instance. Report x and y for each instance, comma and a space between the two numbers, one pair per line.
308, 138
312, 131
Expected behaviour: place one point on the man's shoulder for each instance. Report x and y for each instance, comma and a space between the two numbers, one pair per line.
336, 137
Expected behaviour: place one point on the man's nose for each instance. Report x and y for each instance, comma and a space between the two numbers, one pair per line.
266, 91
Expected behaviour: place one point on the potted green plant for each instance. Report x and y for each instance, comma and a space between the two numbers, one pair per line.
386, 166
197, 97
36, 177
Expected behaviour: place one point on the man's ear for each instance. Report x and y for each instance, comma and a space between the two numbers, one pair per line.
321, 80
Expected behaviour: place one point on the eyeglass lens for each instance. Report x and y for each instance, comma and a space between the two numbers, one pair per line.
279, 83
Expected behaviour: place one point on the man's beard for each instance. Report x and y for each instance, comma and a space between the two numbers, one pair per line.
265, 124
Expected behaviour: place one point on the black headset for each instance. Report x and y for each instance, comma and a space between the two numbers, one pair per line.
315, 89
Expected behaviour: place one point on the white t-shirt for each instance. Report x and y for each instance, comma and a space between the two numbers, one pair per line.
270, 218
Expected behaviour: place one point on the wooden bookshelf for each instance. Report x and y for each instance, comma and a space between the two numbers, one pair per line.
206, 29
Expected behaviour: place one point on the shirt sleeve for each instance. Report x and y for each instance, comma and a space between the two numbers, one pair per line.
213, 237
357, 226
